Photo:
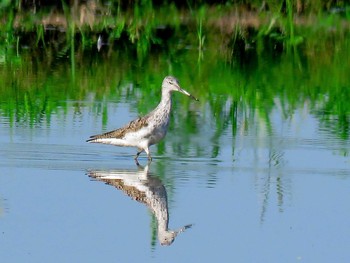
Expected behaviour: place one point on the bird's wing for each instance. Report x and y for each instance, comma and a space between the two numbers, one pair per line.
120, 133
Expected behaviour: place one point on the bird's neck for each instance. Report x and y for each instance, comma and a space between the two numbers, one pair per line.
166, 97
165, 103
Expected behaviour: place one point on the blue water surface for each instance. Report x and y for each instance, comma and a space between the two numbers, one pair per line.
280, 196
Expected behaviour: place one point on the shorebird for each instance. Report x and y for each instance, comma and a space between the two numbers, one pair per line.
147, 130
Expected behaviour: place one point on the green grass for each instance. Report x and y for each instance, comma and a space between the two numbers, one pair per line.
243, 68
140, 27
32, 89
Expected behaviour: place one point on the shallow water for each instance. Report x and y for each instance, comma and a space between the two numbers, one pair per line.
261, 178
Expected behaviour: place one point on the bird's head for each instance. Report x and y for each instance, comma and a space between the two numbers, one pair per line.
172, 84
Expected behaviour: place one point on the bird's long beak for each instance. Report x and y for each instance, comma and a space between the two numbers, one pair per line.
187, 93
182, 229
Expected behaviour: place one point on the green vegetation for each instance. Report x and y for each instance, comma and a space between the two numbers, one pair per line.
36, 86
233, 57
144, 25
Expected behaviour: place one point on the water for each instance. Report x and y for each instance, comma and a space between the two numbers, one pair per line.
259, 168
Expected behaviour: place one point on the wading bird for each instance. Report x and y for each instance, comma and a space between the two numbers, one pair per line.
148, 130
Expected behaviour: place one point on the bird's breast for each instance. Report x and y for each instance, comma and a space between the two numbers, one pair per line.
157, 133
157, 125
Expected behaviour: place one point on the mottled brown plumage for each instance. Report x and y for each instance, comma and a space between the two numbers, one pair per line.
132, 126
148, 130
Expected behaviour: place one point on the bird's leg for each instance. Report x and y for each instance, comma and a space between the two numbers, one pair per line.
148, 155
137, 156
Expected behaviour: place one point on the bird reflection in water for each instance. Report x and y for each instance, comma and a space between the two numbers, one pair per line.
146, 189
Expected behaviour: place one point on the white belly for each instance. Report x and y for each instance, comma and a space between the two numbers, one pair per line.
151, 135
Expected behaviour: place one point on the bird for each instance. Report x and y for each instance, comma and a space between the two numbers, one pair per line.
147, 130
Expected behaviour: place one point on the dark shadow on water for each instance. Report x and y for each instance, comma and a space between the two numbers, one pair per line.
147, 189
